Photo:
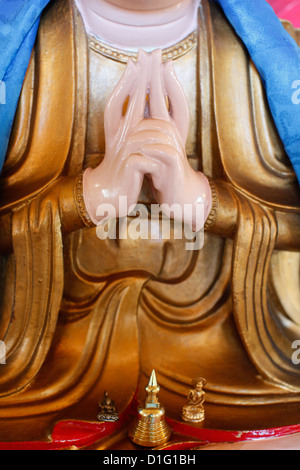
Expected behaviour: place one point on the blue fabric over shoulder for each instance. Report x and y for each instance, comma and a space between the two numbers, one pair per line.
19, 21
277, 58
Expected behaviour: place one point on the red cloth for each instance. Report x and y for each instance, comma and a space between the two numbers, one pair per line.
287, 10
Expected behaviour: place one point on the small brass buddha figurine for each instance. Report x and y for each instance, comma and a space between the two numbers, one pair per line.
150, 428
193, 411
108, 410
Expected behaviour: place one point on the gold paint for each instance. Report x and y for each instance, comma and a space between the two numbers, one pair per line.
171, 53
76, 312
150, 428
193, 411
79, 201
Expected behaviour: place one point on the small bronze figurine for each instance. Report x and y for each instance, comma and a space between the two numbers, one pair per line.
193, 411
108, 412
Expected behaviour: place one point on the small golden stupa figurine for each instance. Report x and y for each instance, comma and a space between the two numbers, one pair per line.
193, 411
108, 412
150, 428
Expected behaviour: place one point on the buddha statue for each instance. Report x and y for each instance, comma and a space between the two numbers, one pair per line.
193, 411
108, 410
79, 314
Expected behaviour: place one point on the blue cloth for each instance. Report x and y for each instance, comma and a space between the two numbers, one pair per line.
277, 58
19, 21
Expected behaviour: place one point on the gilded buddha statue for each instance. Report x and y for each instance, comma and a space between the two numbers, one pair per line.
80, 315
193, 410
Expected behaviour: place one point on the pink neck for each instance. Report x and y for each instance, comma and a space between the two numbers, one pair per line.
134, 29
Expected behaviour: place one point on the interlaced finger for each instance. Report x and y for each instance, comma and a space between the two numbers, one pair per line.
178, 104
157, 104
114, 108
137, 100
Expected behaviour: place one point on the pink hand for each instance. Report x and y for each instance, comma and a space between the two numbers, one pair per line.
122, 171
177, 185
154, 146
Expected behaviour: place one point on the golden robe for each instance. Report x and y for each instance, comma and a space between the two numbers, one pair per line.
80, 315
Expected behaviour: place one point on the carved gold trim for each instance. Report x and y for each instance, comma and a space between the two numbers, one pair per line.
79, 201
215, 205
171, 53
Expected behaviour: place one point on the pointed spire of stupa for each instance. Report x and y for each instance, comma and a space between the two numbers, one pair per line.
153, 381
152, 390
150, 428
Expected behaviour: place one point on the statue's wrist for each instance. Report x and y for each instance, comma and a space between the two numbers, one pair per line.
214, 205
199, 193
100, 199
80, 201
223, 217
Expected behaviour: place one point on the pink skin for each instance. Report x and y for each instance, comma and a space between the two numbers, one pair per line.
145, 24
137, 146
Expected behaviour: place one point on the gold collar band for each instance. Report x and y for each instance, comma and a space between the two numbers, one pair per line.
171, 53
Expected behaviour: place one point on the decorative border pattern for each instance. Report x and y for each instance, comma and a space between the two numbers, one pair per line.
79, 201
215, 205
172, 53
